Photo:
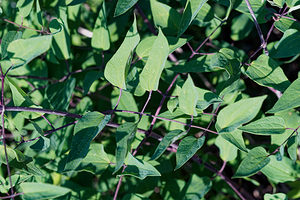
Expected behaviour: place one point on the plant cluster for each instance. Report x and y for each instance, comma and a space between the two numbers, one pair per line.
152, 99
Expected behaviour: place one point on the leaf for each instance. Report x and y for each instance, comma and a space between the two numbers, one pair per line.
167, 140
188, 97
61, 38
187, 148
236, 138
228, 151
238, 113
59, 94
292, 147
255, 160
43, 143
74, 2
39, 191
22, 51
165, 17
149, 78
123, 6
25, 7
11, 155
280, 171
206, 98
139, 168
172, 104
96, 160
7, 39
124, 137
277, 196
289, 99
90, 78
266, 72
86, 129
241, 27
100, 39
288, 45
265, 126
197, 187
192, 7
117, 67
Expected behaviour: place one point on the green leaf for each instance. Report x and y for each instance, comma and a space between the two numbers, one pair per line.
123, 6
59, 94
255, 160
39, 191
172, 104
277, 196
169, 138
206, 98
289, 99
188, 97
236, 138
22, 51
238, 113
61, 38
124, 137
165, 17
265, 126
149, 78
8, 38
197, 187
96, 160
288, 45
292, 147
187, 148
90, 78
11, 155
117, 67
25, 7
228, 151
192, 7
241, 27
100, 39
266, 72
139, 168
43, 143
86, 129
280, 171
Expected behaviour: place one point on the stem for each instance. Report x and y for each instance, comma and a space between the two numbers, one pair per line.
26, 27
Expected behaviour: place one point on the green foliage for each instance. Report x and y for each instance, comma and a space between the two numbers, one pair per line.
128, 99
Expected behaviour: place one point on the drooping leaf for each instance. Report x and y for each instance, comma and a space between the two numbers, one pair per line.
43, 143
22, 51
165, 17
25, 7
266, 72
192, 7
39, 191
289, 99
123, 6
139, 168
96, 160
292, 147
124, 137
241, 27
236, 138
206, 98
149, 78
265, 126
238, 113
169, 138
100, 39
255, 160
86, 129
288, 45
172, 104
187, 148
188, 97
59, 94
228, 151
117, 67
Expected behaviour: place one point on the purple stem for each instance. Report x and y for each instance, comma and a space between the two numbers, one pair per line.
12, 196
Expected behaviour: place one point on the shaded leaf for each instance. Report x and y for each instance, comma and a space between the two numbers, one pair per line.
288, 45
25, 7
123, 6
236, 138
86, 129
255, 160
228, 151
187, 148
7, 39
